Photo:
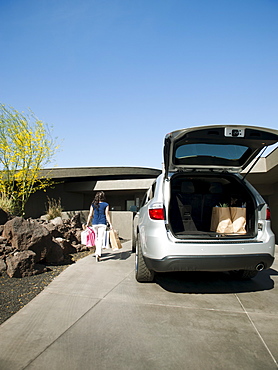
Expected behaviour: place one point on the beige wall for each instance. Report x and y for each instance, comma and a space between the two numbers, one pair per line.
121, 221
264, 177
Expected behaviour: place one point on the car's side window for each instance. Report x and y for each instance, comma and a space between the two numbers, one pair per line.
148, 195
152, 190
144, 199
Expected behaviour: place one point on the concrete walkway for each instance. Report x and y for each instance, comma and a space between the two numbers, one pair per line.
96, 316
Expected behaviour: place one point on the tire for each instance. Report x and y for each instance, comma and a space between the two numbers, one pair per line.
133, 244
142, 273
243, 274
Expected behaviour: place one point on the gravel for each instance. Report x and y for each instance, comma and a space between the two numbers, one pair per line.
15, 293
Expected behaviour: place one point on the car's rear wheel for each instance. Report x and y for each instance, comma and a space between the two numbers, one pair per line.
142, 273
243, 274
133, 243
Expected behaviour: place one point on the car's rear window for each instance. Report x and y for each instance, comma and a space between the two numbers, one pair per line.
199, 153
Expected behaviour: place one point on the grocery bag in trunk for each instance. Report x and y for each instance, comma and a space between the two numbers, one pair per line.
221, 220
238, 216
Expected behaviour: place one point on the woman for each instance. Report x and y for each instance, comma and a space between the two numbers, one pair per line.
99, 211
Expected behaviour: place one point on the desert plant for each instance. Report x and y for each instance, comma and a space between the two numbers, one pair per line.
53, 208
26, 147
6, 203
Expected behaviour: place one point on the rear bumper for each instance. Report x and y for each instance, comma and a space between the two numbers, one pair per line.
209, 263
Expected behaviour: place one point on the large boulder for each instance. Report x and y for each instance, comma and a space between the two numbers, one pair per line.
5, 250
55, 233
27, 244
76, 221
30, 235
3, 266
71, 235
66, 246
57, 221
78, 235
23, 264
55, 255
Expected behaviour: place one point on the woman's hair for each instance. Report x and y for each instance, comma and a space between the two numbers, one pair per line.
99, 197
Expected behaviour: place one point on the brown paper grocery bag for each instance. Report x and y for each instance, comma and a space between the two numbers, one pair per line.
238, 216
214, 219
114, 240
118, 240
221, 220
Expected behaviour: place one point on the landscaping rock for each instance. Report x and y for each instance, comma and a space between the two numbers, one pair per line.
54, 232
76, 221
23, 264
50, 242
55, 254
71, 236
3, 266
28, 235
5, 250
80, 247
66, 246
56, 221
2, 240
78, 235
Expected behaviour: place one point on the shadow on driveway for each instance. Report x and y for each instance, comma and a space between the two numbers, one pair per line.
118, 255
214, 282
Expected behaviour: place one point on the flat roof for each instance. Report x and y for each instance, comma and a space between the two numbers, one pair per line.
264, 171
100, 172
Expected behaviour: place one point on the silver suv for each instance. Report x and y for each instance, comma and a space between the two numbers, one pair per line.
202, 215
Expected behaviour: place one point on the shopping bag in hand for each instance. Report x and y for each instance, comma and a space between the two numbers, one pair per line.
114, 240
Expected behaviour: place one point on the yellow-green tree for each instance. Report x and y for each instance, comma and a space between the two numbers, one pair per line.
26, 146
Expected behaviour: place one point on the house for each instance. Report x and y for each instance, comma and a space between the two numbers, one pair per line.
125, 186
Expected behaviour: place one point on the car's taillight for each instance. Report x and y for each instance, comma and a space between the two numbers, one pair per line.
156, 212
267, 216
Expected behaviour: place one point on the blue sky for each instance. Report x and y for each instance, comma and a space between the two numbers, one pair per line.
112, 77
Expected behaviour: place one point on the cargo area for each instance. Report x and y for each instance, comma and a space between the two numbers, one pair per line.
193, 198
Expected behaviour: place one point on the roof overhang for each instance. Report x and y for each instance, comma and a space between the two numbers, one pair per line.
109, 185
265, 170
100, 172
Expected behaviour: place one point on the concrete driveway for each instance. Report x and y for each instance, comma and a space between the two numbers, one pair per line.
96, 316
